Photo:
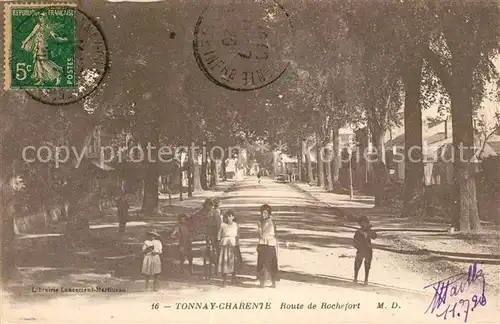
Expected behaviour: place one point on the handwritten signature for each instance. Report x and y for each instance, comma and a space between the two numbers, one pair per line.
454, 286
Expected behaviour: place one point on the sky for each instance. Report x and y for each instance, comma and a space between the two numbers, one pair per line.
488, 107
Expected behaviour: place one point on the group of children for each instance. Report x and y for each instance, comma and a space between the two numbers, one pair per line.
152, 248
222, 234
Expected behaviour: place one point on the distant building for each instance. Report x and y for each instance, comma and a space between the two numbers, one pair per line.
436, 150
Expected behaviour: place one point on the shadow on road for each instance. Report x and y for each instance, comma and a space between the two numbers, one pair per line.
108, 261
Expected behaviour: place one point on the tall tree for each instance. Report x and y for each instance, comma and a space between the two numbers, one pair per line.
413, 33
382, 99
467, 39
367, 22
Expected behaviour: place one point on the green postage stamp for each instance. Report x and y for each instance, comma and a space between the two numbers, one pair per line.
39, 45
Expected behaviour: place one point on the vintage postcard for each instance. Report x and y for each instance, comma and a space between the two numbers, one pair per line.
250, 161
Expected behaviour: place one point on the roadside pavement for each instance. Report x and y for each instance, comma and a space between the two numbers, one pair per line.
46, 256
316, 259
109, 219
429, 239
165, 209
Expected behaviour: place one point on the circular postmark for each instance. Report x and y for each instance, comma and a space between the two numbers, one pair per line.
243, 47
91, 65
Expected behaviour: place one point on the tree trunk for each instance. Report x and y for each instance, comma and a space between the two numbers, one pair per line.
463, 144
190, 174
319, 163
70, 199
213, 173
203, 172
66, 197
326, 165
379, 168
181, 174
414, 167
309, 175
62, 207
497, 204
363, 139
336, 160
275, 163
150, 198
329, 174
80, 199
223, 169
8, 233
329, 161
299, 166
197, 181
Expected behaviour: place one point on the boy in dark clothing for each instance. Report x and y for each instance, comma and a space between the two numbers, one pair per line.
214, 224
183, 235
363, 244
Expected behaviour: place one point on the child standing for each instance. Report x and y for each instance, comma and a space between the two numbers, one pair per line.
229, 240
363, 244
214, 224
267, 248
151, 265
183, 235
198, 222
205, 226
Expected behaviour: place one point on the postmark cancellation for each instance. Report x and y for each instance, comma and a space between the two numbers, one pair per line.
243, 47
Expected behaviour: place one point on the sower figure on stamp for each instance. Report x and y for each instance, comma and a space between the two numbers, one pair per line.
44, 69
363, 244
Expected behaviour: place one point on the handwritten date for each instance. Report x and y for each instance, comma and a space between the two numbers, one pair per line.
454, 286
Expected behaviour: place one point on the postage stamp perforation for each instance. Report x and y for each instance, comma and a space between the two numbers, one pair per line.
7, 27
6, 55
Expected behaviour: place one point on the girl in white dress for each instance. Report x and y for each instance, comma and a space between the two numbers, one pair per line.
228, 237
151, 265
